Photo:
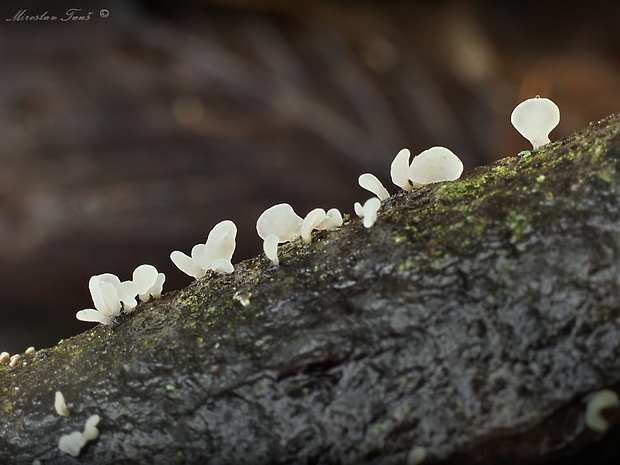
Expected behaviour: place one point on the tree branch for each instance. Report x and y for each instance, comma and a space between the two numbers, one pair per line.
472, 320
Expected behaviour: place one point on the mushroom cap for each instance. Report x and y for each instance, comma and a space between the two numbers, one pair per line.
144, 277
187, 264
103, 290
535, 118
312, 220
359, 209
333, 219
221, 243
371, 207
280, 221
127, 291
399, 169
371, 183
436, 164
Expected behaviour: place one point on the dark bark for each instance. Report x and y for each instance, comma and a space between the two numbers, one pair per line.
472, 319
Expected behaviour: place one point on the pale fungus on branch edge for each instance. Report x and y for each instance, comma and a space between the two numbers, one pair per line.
535, 118
371, 183
215, 254
59, 404
436, 164
72, 444
599, 401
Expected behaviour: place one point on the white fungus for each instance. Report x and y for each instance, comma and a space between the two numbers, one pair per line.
270, 247
600, 401
187, 264
311, 222
5, 357
215, 254
359, 209
333, 219
371, 183
14, 361
276, 225
535, 118
110, 295
73, 443
436, 164
280, 220
30, 350
370, 209
399, 170
60, 405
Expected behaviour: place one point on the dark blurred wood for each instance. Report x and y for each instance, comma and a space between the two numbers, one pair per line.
169, 118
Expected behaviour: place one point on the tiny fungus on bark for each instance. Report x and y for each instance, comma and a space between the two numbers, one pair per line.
371, 183
436, 164
281, 222
535, 118
399, 170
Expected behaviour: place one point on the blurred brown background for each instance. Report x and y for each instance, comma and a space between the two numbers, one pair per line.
126, 137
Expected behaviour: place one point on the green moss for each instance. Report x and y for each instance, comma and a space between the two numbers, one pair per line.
8, 406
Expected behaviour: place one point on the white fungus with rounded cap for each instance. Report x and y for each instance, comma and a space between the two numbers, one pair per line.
535, 118
436, 164
311, 222
333, 220
371, 183
280, 224
370, 209
399, 170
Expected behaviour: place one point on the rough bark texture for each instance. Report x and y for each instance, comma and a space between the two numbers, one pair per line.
473, 319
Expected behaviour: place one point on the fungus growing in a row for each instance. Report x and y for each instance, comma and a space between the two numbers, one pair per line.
599, 401
73, 443
5, 357
535, 118
368, 211
371, 183
319, 219
436, 164
215, 254
276, 225
399, 170
110, 295
59, 404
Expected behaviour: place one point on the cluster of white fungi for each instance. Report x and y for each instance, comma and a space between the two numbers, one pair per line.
534, 119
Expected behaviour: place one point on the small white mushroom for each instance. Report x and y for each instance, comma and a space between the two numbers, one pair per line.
144, 278
158, 287
103, 290
276, 225
270, 247
14, 361
333, 219
73, 443
30, 350
59, 404
371, 207
359, 209
127, 291
219, 247
5, 357
371, 183
312, 221
187, 264
535, 118
436, 164
599, 401
280, 220
399, 170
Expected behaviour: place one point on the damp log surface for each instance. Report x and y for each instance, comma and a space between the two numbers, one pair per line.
473, 320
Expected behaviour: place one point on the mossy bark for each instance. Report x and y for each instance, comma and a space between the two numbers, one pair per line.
473, 320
